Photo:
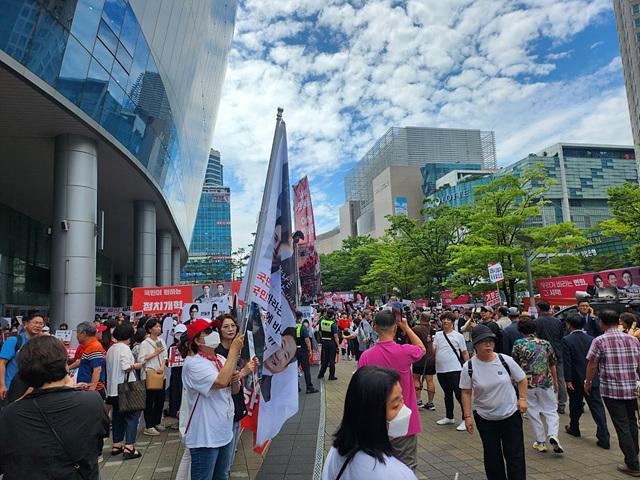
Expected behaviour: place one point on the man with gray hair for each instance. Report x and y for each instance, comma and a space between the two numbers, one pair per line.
91, 370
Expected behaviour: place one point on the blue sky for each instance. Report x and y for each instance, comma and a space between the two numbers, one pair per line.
536, 72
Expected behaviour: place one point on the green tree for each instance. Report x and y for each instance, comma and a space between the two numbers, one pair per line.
625, 210
498, 228
343, 269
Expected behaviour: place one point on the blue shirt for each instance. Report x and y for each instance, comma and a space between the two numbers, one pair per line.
9, 354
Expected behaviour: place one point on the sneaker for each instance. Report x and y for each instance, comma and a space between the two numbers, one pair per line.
629, 471
461, 427
100, 458
555, 443
446, 421
540, 446
420, 403
429, 406
160, 428
152, 432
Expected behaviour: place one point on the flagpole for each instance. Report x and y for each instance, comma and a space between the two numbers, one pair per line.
259, 238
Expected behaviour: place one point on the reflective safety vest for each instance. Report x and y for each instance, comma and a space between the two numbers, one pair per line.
299, 339
325, 329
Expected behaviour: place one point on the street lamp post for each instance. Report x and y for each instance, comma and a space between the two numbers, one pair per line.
526, 239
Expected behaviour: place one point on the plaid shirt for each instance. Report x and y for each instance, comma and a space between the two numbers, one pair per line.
618, 357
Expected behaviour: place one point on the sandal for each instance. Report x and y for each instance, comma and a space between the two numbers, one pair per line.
116, 450
130, 454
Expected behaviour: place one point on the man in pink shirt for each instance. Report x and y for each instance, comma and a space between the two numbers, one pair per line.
387, 353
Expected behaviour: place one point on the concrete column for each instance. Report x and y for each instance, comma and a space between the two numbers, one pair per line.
144, 244
163, 258
175, 266
73, 243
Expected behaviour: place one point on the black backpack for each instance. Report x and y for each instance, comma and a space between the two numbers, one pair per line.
504, 364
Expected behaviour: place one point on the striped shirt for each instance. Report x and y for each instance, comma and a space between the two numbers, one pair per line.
93, 356
618, 357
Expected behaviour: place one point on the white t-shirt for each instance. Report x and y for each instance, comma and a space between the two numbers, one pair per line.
363, 466
212, 421
119, 358
446, 359
494, 397
147, 347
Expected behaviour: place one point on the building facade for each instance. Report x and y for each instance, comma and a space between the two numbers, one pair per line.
392, 176
628, 26
106, 128
210, 249
582, 173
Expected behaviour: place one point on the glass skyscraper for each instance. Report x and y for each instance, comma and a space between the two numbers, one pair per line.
210, 250
108, 114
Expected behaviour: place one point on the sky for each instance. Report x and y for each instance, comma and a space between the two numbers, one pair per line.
536, 72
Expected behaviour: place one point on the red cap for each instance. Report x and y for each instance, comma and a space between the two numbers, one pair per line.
194, 328
102, 328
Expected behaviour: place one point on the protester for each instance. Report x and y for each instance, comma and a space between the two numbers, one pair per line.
466, 328
425, 368
209, 382
330, 345
175, 376
55, 431
616, 356
575, 347
374, 411
538, 360
487, 379
511, 333
8, 358
120, 369
228, 333
503, 320
387, 353
552, 329
451, 353
487, 314
107, 335
152, 353
92, 367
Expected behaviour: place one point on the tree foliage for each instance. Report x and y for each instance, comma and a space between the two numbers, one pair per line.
625, 209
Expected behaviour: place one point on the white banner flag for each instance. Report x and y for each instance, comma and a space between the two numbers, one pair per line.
495, 272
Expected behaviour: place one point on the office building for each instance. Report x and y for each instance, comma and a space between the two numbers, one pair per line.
582, 172
106, 128
628, 26
210, 250
389, 179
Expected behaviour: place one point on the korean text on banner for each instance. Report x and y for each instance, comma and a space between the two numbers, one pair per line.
495, 273
492, 298
303, 211
273, 289
161, 299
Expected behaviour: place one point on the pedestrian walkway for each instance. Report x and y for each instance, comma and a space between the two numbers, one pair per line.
442, 451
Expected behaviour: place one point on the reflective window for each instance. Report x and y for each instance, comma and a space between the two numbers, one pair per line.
86, 21
47, 48
635, 8
103, 55
73, 70
130, 30
113, 13
108, 37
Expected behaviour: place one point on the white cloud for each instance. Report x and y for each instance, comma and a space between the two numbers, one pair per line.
347, 71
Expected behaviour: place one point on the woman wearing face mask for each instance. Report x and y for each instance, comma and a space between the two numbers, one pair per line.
209, 380
488, 377
373, 412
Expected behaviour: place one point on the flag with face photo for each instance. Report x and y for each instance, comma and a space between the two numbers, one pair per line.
272, 287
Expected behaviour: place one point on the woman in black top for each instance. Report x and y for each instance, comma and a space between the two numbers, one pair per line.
55, 432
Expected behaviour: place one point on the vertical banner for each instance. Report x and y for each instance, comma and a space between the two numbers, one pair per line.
270, 284
308, 260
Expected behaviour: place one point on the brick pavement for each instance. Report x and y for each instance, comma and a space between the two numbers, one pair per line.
442, 451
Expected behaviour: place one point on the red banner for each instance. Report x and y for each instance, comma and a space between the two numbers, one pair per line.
303, 211
149, 300
448, 300
492, 298
562, 290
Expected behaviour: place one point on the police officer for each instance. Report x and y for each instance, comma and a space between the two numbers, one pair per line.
330, 344
303, 342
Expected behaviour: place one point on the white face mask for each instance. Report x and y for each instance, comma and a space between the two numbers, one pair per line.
212, 340
399, 426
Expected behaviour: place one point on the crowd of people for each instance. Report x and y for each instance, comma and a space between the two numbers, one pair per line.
115, 382
501, 366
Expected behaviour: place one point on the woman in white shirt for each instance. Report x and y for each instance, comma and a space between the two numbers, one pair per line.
209, 380
488, 377
152, 353
373, 412
120, 366
451, 353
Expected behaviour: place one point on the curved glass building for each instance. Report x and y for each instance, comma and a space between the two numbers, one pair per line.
108, 112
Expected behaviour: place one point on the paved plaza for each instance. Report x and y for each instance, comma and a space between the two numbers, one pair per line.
443, 452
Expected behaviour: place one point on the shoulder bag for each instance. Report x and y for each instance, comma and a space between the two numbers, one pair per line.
74, 463
455, 351
154, 379
132, 395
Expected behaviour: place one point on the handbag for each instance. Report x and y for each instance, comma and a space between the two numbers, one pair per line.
132, 396
75, 464
155, 380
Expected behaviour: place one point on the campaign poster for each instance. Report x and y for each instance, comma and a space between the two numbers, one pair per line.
449, 300
303, 211
562, 290
149, 300
401, 206
492, 298
309, 271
